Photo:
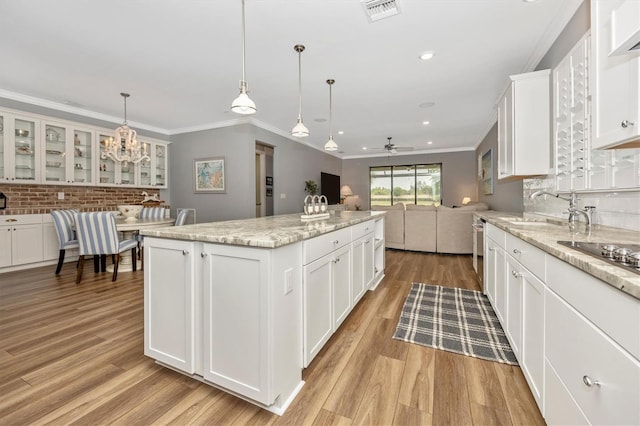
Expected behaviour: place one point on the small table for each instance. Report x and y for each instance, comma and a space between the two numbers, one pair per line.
129, 229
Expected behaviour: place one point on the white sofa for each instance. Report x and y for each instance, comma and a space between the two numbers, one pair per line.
428, 228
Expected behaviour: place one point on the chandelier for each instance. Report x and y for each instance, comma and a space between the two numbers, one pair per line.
124, 148
300, 130
331, 145
243, 103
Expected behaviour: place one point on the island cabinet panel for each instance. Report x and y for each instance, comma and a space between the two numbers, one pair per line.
169, 302
341, 280
236, 319
318, 320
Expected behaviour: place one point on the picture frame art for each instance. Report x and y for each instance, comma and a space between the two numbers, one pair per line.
487, 172
209, 175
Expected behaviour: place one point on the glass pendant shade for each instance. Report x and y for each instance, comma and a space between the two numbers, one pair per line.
299, 130
243, 103
331, 145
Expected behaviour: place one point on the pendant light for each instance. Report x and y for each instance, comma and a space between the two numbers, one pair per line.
330, 145
299, 130
124, 148
243, 104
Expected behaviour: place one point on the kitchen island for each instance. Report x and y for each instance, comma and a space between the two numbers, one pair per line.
245, 305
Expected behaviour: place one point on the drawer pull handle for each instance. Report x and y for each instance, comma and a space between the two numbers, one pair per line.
626, 123
335, 241
336, 260
516, 274
11, 220
185, 252
516, 251
203, 254
589, 382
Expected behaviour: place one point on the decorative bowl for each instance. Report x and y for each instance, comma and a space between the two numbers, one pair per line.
131, 212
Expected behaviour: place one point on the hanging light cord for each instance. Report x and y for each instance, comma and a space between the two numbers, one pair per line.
299, 84
244, 81
330, 110
125, 96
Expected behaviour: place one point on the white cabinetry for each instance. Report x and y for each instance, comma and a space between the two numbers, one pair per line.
363, 254
19, 148
169, 302
21, 240
227, 315
378, 254
615, 79
50, 242
68, 153
523, 126
495, 270
326, 288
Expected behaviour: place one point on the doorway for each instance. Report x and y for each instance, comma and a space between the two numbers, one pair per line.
264, 179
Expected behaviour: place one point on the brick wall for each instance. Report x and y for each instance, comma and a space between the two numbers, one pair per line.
40, 199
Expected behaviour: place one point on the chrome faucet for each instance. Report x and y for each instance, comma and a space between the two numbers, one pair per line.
574, 211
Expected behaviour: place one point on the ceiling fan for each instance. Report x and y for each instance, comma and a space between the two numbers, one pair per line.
393, 148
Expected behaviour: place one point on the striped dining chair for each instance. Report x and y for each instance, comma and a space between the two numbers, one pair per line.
152, 213
182, 217
98, 235
63, 221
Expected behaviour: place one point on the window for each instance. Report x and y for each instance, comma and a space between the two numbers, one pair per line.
412, 184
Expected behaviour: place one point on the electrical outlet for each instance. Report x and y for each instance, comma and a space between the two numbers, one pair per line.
60, 195
288, 281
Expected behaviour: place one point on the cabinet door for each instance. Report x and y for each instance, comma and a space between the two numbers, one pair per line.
341, 282
501, 284
236, 322
26, 244
369, 253
317, 321
169, 302
82, 156
615, 80
532, 360
514, 305
357, 277
505, 135
24, 164
50, 242
160, 178
489, 271
5, 246
54, 155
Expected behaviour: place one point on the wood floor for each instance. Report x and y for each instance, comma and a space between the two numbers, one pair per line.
73, 354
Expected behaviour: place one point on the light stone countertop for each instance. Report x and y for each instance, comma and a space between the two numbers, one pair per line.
547, 235
266, 232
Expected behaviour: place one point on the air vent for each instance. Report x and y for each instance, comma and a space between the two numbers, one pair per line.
380, 9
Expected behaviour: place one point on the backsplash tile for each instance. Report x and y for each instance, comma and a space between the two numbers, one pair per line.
619, 209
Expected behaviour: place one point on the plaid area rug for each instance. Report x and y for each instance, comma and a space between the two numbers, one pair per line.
455, 320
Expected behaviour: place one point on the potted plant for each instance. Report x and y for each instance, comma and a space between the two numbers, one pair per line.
311, 187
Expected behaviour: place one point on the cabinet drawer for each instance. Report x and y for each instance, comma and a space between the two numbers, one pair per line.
529, 256
317, 247
577, 350
361, 229
21, 219
495, 233
614, 312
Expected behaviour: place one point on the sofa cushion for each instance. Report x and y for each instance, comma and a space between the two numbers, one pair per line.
420, 228
454, 232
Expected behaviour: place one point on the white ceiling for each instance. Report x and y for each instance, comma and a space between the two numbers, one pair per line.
181, 62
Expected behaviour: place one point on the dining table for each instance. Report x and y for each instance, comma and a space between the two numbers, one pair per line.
129, 228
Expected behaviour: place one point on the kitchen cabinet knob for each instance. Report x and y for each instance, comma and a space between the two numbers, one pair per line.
203, 254
626, 123
335, 241
589, 382
516, 251
516, 274
492, 249
336, 260
185, 252
367, 242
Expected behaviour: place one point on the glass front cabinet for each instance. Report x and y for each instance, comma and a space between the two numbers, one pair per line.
39, 149
68, 155
19, 149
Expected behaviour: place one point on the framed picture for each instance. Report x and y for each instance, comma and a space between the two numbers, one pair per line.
269, 180
209, 175
487, 172
269, 192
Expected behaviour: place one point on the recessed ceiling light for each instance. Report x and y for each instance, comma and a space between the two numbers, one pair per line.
426, 105
427, 55
341, 132
429, 142
425, 123
364, 148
